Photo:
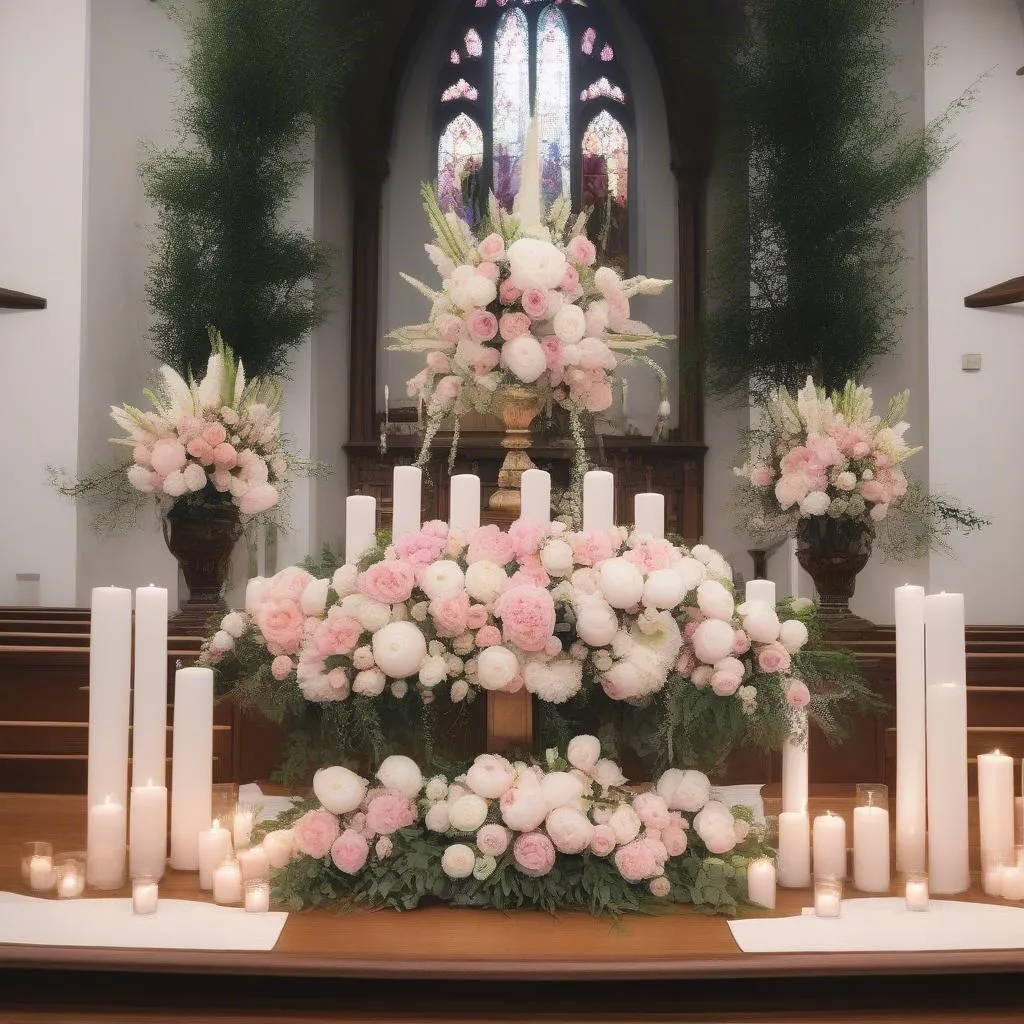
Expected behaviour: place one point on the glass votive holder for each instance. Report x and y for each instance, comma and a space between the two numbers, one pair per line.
37, 866
223, 801
993, 866
1011, 878
916, 891
242, 820
873, 794
828, 895
69, 869
145, 895
257, 895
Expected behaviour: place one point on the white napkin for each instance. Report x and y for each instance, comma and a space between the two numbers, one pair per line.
269, 806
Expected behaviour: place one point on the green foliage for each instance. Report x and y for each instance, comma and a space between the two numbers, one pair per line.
256, 79
807, 276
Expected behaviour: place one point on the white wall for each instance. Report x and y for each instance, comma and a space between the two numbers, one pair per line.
43, 60
975, 227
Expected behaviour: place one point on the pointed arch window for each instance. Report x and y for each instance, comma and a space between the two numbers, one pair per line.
506, 58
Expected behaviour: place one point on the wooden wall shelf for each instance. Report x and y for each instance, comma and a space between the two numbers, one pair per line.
1001, 294
10, 299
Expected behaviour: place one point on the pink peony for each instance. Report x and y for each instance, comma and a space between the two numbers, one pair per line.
742, 642
527, 616
448, 389
389, 582
486, 361
761, 476
337, 634
488, 636
449, 328
532, 575
535, 303
526, 537
315, 832
651, 809
388, 813
508, 293
623, 681
350, 851
420, 548
482, 325
225, 456
199, 449
581, 250
592, 546
214, 434
636, 861
438, 362
824, 449
476, 617
167, 456
288, 583
773, 657
281, 667
259, 498
600, 397
602, 840
797, 694
652, 555
281, 622
873, 490
534, 854
450, 614
674, 839
492, 840
725, 684
513, 325
490, 544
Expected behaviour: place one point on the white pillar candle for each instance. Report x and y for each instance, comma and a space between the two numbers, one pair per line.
149, 714
104, 863
192, 765
761, 882
871, 849
279, 846
407, 482
110, 674
945, 646
254, 863
649, 514
1012, 883
227, 883
257, 897
145, 896
147, 848
795, 765
760, 590
535, 488
241, 826
911, 828
214, 845
360, 526
829, 833
995, 806
794, 871
598, 500
464, 501
253, 593
916, 894
948, 865
41, 875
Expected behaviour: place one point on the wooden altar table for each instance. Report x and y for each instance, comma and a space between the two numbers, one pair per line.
443, 964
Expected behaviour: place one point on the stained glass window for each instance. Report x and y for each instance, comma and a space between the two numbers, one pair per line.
607, 53
461, 90
602, 87
455, 58
460, 159
605, 184
553, 103
474, 44
587, 46
511, 114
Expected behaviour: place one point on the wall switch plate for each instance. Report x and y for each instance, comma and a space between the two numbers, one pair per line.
971, 362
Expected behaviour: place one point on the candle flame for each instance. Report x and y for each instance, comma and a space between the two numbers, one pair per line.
216, 823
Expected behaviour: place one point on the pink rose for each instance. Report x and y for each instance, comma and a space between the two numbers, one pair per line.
448, 389
508, 293
476, 617
488, 270
225, 456
281, 622
389, 582
651, 809
449, 328
281, 667
527, 616
450, 614
636, 861
486, 361
797, 694
761, 476
701, 676
388, 813
686, 662
535, 303
570, 279
725, 684
742, 642
492, 247
602, 841
214, 434
438, 362
674, 839
337, 634
773, 657
513, 325
488, 636
350, 851
482, 325
315, 832
199, 449
534, 854
581, 250
490, 544
492, 839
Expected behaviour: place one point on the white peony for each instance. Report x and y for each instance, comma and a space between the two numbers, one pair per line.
556, 556
692, 572
436, 818
399, 649
815, 504
554, 681
570, 324
715, 601
714, 825
569, 829
314, 597
433, 670
559, 789
496, 667
761, 622
686, 790
442, 579
583, 752
625, 823
485, 581
712, 640
534, 263
279, 846
482, 290
490, 776
664, 588
607, 773
621, 583
371, 615
792, 635
467, 813
596, 623
234, 624
338, 789
436, 789
401, 773
345, 580
524, 358
523, 808
458, 861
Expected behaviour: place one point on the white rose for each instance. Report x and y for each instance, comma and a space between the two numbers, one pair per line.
314, 597
712, 640
524, 358
815, 504
846, 481
481, 290
792, 635
436, 789
523, 808
556, 556
433, 670
496, 667
570, 324
436, 818
484, 867
399, 649
569, 829
338, 789
490, 776
607, 773
761, 622
684, 790
625, 823
583, 752
596, 623
715, 601
621, 583
401, 773
714, 824
534, 263
559, 789
442, 579
369, 683
234, 624
344, 580
194, 476
485, 581
458, 861
664, 588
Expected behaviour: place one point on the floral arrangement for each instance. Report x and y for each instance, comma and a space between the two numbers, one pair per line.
522, 305
830, 455
561, 833
613, 622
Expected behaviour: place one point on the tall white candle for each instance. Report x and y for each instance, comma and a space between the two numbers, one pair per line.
192, 765
214, 846
795, 765
649, 514
147, 849
794, 850
104, 858
871, 849
911, 828
948, 865
528, 203
110, 674
360, 526
761, 882
598, 500
995, 807
464, 502
760, 590
535, 487
945, 640
829, 833
149, 722
407, 483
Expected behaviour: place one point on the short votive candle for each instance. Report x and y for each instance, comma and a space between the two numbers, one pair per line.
254, 863
227, 883
70, 872
241, 825
257, 896
916, 892
992, 867
761, 882
828, 896
145, 895
37, 866
1012, 877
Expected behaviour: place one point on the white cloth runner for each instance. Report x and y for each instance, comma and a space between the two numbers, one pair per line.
177, 924
269, 806
884, 924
